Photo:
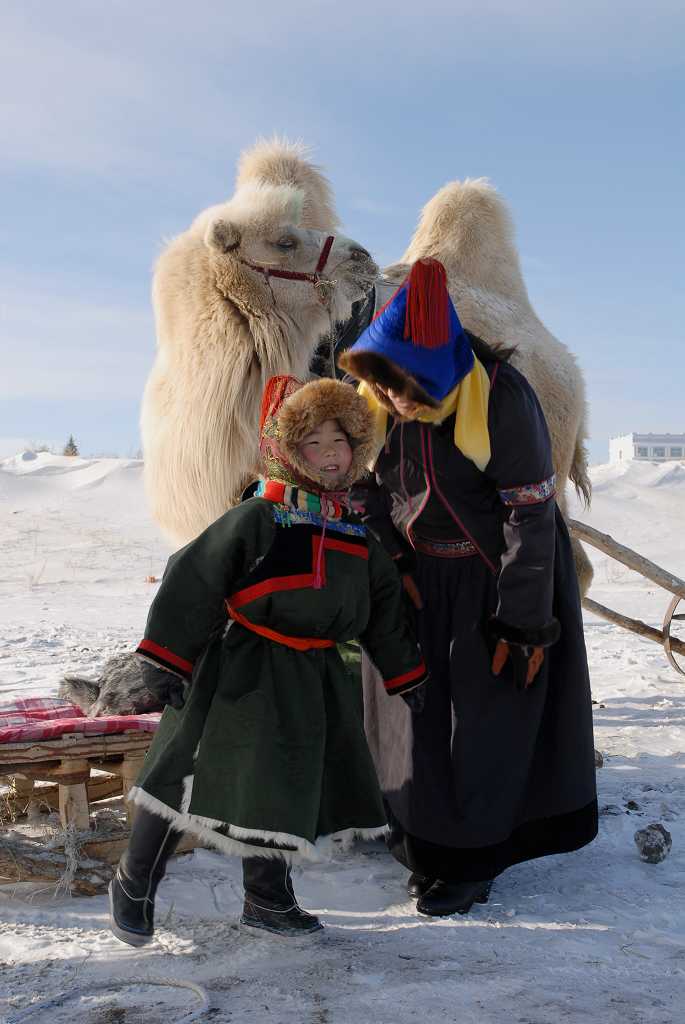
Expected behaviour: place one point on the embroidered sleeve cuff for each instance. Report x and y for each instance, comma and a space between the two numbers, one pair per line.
165, 658
530, 494
407, 681
542, 636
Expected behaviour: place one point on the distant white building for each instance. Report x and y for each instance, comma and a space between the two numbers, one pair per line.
647, 448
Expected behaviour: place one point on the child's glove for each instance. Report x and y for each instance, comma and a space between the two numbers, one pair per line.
167, 687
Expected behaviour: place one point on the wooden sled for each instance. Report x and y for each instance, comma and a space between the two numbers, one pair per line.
67, 764
632, 560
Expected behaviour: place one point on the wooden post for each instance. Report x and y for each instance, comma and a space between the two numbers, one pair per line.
73, 796
634, 625
21, 794
129, 770
650, 570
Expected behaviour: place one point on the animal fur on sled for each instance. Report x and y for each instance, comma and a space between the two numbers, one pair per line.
119, 689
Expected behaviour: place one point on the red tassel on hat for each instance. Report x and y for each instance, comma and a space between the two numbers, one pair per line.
427, 320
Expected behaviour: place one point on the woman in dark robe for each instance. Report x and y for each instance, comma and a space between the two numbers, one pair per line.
497, 767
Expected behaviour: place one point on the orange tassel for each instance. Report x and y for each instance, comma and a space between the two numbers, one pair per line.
427, 320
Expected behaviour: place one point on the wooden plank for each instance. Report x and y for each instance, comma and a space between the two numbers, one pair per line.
650, 570
65, 774
26, 860
73, 799
107, 764
634, 625
28, 771
41, 773
109, 849
71, 746
98, 789
104, 788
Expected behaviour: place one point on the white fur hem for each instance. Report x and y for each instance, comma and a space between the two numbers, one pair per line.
300, 849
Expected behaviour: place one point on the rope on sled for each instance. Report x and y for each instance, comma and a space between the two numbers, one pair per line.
72, 850
187, 1018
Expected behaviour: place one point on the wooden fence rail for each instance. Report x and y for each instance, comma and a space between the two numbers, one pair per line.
651, 571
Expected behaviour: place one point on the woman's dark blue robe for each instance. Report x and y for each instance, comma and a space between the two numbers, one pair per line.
487, 775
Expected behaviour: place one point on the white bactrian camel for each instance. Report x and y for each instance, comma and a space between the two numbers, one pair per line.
467, 226
225, 325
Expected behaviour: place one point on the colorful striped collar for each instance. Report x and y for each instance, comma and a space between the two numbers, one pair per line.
303, 501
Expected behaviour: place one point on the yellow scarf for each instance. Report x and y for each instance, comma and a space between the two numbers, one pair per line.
470, 402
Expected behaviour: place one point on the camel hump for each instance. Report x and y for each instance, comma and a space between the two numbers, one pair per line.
467, 226
282, 162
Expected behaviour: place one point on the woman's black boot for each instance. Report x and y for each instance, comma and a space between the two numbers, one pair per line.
141, 869
417, 885
445, 898
270, 903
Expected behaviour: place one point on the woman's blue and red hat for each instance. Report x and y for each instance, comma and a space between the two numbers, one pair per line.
415, 345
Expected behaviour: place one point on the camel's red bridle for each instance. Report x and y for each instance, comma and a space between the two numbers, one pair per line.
297, 275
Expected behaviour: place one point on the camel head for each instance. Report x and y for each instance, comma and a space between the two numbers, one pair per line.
266, 260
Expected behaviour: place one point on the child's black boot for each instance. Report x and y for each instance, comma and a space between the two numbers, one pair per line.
270, 902
141, 869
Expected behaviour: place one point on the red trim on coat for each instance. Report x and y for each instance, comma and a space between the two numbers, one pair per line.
300, 581
359, 550
408, 677
298, 643
272, 586
166, 655
318, 562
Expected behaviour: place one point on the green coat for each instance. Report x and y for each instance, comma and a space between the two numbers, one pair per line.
268, 755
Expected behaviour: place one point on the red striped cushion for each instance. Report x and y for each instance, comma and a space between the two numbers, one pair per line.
46, 718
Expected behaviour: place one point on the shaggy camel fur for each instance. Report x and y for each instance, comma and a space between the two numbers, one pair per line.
224, 328
467, 226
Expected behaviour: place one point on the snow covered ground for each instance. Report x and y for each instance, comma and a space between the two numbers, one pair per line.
594, 936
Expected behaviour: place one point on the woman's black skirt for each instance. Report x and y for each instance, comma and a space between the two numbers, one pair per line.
487, 775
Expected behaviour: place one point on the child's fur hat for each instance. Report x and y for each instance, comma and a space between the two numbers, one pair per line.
295, 409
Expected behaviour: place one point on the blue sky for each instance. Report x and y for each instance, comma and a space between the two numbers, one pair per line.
120, 121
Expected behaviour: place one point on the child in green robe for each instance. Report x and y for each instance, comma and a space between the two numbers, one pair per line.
266, 757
